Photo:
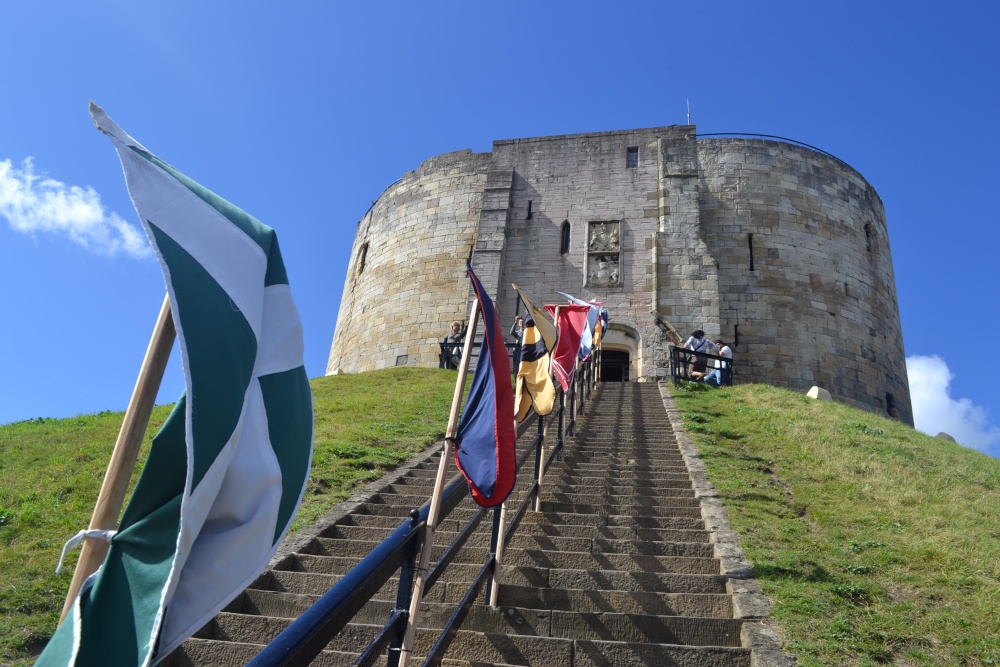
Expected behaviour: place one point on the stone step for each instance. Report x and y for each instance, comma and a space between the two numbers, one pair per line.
616, 490
311, 583
493, 648
588, 478
651, 499
446, 533
625, 510
462, 516
529, 557
561, 518
603, 465
713, 605
462, 513
608, 626
699, 549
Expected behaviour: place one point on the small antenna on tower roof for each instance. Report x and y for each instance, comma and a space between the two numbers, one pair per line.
689, 111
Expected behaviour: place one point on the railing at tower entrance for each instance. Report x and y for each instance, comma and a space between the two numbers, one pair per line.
450, 354
307, 636
683, 363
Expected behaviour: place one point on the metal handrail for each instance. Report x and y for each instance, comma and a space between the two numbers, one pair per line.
306, 637
447, 352
680, 362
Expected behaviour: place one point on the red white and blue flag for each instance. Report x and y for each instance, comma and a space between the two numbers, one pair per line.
484, 450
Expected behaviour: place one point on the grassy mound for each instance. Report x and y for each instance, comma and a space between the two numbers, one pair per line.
875, 543
51, 471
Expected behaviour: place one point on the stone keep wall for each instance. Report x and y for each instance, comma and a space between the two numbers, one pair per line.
818, 306
580, 180
414, 240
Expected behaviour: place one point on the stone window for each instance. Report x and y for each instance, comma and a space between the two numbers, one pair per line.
604, 254
632, 157
870, 241
564, 244
362, 257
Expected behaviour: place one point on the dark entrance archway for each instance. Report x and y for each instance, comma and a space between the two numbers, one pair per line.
614, 366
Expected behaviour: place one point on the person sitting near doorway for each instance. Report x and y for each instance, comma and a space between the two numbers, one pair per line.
451, 348
720, 375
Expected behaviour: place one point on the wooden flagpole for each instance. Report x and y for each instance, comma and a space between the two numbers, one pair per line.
502, 524
435, 509
126, 451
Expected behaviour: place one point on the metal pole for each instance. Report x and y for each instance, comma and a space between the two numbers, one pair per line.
543, 427
497, 546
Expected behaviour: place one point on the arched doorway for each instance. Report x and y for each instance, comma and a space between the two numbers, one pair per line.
614, 366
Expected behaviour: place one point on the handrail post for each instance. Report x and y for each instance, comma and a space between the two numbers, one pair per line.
559, 423
539, 459
496, 551
570, 428
405, 592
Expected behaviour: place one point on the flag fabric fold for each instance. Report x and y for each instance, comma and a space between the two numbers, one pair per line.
484, 450
543, 320
534, 376
226, 472
593, 315
571, 320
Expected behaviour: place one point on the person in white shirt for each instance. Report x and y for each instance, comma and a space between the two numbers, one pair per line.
720, 375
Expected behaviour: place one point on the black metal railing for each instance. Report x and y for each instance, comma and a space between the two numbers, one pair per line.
684, 362
306, 637
450, 354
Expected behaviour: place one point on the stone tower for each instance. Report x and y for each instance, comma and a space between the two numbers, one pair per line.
779, 249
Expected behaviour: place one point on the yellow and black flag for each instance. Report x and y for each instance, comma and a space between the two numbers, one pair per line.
534, 377
543, 321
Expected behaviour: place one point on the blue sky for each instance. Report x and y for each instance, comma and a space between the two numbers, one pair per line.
302, 112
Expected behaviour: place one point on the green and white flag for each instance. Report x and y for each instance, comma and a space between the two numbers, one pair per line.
226, 472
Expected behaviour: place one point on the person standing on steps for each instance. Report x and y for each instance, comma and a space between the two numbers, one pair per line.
516, 332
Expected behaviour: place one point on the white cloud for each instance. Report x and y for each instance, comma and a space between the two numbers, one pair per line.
934, 410
33, 203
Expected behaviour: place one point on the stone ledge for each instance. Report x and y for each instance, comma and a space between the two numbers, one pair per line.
749, 601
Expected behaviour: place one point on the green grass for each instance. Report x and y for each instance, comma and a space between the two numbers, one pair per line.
51, 471
875, 543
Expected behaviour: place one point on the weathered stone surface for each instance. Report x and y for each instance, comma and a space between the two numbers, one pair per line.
819, 393
777, 248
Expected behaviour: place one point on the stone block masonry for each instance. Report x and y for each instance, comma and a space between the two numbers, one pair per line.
779, 249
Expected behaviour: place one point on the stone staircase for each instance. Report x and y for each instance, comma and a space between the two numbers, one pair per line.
629, 563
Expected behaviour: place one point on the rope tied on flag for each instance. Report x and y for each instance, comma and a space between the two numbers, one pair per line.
71, 543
